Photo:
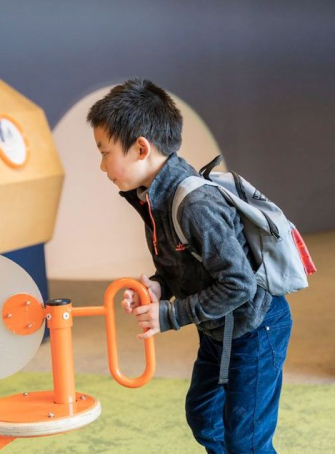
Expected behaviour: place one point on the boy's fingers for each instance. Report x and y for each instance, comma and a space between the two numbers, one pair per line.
147, 334
143, 317
153, 296
139, 310
144, 324
145, 280
124, 303
126, 306
131, 296
128, 293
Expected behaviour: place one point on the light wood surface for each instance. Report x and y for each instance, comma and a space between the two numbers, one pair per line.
29, 196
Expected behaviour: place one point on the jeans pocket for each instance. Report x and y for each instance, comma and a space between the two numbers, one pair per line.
278, 337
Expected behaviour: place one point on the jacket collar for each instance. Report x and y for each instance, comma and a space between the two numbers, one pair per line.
165, 183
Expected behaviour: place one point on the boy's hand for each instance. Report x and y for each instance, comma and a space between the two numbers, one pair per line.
131, 299
148, 317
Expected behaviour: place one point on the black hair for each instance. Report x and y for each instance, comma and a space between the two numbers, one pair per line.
138, 108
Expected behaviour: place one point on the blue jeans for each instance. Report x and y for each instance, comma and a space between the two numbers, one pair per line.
241, 417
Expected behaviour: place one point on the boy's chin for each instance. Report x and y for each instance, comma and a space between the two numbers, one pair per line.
122, 187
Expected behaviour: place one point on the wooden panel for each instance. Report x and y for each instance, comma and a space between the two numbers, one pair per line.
29, 196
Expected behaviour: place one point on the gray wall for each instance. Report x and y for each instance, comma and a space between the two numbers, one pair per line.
261, 74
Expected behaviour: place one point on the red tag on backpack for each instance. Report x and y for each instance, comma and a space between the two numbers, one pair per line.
303, 252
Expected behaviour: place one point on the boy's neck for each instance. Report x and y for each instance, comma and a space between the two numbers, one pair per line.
155, 164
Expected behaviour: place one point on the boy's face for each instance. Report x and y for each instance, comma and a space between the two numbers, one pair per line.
126, 171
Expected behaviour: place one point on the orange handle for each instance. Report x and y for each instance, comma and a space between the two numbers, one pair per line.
112, 338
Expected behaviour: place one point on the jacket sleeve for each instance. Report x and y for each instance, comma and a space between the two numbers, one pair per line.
207, 221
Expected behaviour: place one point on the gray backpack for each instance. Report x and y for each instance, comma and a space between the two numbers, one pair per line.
283, 261
281, 255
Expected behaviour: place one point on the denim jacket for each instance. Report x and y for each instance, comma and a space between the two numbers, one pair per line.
204, 292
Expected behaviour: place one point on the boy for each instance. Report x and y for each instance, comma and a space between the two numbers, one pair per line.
137, 128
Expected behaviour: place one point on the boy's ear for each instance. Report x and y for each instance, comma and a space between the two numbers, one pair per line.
143, 147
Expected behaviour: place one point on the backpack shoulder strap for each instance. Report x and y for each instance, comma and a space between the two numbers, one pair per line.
222, 179
185, 187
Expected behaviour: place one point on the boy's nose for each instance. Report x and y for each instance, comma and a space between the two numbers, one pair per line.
103, 167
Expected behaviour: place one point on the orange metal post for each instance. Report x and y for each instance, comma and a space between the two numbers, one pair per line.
59, 317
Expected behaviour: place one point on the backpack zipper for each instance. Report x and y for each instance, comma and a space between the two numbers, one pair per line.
272, 226
239, 187
154, 241
240, 190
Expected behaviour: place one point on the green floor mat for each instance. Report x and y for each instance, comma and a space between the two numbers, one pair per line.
150, 420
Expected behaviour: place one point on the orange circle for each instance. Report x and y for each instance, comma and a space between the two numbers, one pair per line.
3, 155
23, 314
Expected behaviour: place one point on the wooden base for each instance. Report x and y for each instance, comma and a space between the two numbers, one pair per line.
35, 414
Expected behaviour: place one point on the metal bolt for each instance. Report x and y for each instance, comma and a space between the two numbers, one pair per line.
9, 315
83, 397
25, 394
48, 316
30, 325
51, 415
28, 303
66, 316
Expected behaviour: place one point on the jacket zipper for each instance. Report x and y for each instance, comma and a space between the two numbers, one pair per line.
154, 241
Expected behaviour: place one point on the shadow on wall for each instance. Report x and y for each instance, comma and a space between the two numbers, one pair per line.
98, 235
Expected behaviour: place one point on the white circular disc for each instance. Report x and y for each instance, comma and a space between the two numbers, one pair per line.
15, 350
12, 142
